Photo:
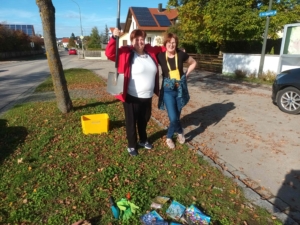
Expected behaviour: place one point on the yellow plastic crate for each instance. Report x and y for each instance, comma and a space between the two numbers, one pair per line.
95, 123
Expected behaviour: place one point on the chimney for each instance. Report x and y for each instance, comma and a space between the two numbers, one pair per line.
160, 7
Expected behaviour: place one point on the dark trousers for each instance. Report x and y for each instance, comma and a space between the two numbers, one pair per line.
137, 114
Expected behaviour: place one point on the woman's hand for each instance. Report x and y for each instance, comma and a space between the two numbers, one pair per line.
116, 32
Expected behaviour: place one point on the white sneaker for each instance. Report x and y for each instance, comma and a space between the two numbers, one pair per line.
170, 143
181, 138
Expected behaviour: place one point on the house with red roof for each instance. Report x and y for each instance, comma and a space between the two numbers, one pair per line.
65, 42
155, 21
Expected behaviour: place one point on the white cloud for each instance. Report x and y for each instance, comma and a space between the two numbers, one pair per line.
87, 18
13, 13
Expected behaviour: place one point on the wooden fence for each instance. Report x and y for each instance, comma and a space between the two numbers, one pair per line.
213, 63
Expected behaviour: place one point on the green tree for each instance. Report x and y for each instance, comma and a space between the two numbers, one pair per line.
11, 40
47, 13
72, 36
288, 11
95, 39
71, 43
38, 41
105, 35
219, 21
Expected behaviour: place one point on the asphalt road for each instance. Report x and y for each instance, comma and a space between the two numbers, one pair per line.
19, 78
236, 125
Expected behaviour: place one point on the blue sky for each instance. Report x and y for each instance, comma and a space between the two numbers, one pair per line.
93, 13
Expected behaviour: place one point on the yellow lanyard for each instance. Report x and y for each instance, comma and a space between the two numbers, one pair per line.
176, 63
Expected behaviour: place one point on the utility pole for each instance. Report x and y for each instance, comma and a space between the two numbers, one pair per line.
81, 36
262, 56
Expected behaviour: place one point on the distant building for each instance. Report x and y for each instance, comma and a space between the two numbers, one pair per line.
27, 29
65, 42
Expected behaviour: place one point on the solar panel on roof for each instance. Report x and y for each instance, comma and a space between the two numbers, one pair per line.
163, 20
144, 17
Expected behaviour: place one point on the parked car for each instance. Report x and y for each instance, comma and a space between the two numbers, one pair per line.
72, 51
286, 91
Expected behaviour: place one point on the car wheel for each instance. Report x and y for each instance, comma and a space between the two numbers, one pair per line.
288, 100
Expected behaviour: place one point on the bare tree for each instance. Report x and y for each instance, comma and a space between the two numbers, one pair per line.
47, 13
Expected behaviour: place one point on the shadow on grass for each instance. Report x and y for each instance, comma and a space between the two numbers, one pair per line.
10, 138
153, 137
91, 105
116, 124
204, 117
95, 220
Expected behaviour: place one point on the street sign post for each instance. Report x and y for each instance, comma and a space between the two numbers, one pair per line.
268, 13
265, 14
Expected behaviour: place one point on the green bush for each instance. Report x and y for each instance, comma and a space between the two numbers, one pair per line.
240, 73
269, 76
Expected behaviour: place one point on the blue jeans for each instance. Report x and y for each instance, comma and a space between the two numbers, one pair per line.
173, 105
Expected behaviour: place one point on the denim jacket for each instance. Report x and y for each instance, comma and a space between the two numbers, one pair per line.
183, 92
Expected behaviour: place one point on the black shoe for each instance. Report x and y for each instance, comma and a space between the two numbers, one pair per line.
132, 151
146, 145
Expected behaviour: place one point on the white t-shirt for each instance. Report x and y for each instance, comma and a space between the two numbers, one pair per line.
142, 80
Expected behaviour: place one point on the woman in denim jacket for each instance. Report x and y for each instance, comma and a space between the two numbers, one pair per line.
174, 92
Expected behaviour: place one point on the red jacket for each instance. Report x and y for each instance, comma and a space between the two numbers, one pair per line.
125, 57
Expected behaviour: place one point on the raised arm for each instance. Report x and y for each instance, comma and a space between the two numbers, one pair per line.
110, 50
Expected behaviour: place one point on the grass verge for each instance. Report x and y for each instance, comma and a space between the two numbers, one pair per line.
262, 80
51, 173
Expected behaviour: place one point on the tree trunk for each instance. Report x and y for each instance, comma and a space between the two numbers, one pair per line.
222, 48
47, 13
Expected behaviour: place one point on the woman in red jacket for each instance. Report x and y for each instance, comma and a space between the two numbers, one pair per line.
139, 65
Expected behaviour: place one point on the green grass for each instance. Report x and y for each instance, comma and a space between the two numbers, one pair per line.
51, 173
251, 79
76, 78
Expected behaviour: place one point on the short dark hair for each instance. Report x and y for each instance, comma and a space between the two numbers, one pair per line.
168, 37
137, 33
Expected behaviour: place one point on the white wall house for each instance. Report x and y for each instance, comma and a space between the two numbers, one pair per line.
154, 21
152, 36
250, 63
289, 57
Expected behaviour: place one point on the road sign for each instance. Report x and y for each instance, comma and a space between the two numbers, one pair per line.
268, 13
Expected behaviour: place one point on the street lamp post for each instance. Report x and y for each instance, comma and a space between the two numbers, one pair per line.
81, 37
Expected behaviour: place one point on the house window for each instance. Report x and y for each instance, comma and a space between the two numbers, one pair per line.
149, 40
